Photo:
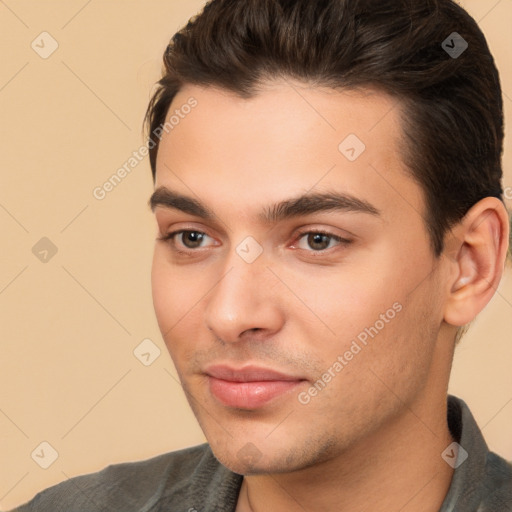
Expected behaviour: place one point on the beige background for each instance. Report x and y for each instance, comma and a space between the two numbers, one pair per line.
68, 327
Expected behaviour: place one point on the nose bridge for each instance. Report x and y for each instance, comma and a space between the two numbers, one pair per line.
240, 300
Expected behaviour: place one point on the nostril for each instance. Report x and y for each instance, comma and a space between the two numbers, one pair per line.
253, 330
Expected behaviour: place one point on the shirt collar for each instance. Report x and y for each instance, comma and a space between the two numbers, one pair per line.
469, 459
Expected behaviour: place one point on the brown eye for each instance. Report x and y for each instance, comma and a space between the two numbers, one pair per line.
314, 241
185, 241
191, 239
318, 241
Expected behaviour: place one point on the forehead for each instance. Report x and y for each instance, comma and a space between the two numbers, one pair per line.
287, 140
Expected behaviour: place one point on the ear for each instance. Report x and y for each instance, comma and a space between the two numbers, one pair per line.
478, 249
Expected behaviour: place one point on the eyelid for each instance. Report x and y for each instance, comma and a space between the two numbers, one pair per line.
170, 238
342, 241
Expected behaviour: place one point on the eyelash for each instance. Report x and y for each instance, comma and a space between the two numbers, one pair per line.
169, 238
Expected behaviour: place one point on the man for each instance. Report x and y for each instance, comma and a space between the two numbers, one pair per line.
330, 218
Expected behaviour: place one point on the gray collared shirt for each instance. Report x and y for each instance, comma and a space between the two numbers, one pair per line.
192, 480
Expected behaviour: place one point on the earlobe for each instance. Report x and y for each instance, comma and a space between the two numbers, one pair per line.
482, 241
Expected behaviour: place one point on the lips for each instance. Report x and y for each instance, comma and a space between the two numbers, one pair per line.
250, 387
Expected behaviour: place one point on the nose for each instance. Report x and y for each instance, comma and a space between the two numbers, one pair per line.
244, 301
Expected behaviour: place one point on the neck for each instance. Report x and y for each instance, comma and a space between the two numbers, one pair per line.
397, 468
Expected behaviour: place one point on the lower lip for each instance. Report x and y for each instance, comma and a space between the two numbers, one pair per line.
249, 395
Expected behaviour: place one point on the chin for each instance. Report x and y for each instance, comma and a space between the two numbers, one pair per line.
248, 458
251, 467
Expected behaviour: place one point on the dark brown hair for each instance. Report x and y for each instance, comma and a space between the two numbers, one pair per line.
451, 105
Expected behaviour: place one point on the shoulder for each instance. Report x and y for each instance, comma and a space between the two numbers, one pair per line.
482, 481
132, 486
497, 496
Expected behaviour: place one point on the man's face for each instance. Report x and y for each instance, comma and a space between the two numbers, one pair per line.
344, 303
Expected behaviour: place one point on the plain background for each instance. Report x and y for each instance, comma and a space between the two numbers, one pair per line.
69, 327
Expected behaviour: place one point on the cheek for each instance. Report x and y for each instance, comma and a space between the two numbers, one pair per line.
374, 321
351, 301
162, 294
399, 340
171, 298
177, 303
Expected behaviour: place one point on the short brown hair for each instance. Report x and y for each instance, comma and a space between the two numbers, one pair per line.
452, 105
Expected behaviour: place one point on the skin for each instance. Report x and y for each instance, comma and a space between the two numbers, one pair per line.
372, 438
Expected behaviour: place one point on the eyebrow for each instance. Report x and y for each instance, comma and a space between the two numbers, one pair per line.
306, 204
